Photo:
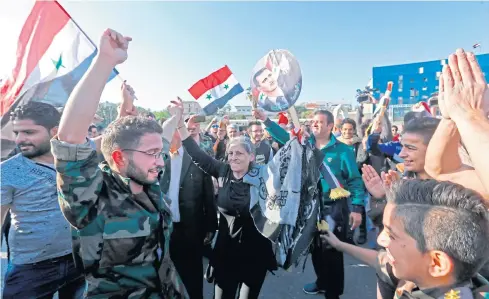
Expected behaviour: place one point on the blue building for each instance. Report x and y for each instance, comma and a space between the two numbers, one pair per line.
414, 82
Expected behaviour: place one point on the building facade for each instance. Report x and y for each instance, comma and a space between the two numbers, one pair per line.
191, 107
414, 82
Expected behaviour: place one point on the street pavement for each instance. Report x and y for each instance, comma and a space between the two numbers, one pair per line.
360, 281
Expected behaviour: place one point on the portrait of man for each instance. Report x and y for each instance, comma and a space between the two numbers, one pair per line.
277, 81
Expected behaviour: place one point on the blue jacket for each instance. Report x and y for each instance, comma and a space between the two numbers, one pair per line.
391, 148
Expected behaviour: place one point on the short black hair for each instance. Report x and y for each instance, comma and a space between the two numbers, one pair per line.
91, 127
254, 123
444, 216
394, 126
423, 126
327, 113
42, 114
414, 115
126, 132
255, 81
349, 121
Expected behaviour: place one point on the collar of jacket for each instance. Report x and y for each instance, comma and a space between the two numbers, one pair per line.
332, 141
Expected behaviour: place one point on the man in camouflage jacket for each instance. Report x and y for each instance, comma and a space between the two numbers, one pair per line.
122, 224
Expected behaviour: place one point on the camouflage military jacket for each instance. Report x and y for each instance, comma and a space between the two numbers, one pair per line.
477, 288
206, 144
120, 239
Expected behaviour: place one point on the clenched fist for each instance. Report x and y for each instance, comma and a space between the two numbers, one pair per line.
113, 47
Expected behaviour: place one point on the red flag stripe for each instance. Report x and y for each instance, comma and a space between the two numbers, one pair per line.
215, 79
44, 22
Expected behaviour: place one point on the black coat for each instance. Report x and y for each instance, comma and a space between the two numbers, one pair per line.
198, 210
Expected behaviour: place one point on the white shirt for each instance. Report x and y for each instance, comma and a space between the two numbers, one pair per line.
174, 190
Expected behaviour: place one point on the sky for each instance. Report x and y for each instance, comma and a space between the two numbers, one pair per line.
336, 43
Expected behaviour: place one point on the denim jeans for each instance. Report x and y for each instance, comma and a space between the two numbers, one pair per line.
44, 279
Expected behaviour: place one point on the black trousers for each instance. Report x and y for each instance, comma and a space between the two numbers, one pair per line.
245, 279
186, 253
327, 261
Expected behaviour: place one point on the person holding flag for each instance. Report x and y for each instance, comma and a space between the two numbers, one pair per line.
327, 262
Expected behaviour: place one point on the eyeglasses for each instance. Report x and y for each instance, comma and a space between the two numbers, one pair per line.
155, 155
215, 126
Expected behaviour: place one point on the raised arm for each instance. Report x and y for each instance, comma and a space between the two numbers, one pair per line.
442, 155
79, 177
205, 162
466, 99
359, 120
277, 133
126, 108
443, 160
386, 134
84, 100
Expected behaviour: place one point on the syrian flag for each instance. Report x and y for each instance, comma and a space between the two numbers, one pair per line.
53, 54
476, 46
215, 90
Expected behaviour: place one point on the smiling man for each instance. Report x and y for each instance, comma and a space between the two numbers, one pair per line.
122, 224
415, 139
39, 238
263, 150
422, 258
328, 262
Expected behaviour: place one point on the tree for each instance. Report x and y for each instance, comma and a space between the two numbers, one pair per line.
306, 114
108, 111
225, 110
161, 114
300, 109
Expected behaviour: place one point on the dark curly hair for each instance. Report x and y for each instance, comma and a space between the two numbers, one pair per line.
40, 113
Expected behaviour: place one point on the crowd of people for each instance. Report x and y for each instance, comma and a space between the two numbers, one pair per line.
131, 212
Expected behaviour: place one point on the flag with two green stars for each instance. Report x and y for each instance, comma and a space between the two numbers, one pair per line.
215, 90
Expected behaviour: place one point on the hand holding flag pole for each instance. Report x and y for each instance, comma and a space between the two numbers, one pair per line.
383, 103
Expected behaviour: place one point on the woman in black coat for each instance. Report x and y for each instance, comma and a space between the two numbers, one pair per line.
242, 256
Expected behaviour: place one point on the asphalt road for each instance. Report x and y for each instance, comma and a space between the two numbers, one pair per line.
359, 281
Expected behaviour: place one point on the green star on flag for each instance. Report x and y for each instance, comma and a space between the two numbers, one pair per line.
226, 86
261, 96
209, 97
58, 63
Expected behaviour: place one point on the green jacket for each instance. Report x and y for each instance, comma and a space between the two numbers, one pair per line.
116, 234
340, 159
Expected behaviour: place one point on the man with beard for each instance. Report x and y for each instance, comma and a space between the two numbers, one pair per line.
263, 150
39, 238
122, 223
205, 142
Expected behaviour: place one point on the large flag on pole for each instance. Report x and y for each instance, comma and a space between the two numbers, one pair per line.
53, 53
215, 90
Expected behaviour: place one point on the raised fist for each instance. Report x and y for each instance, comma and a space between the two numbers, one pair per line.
113, 47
